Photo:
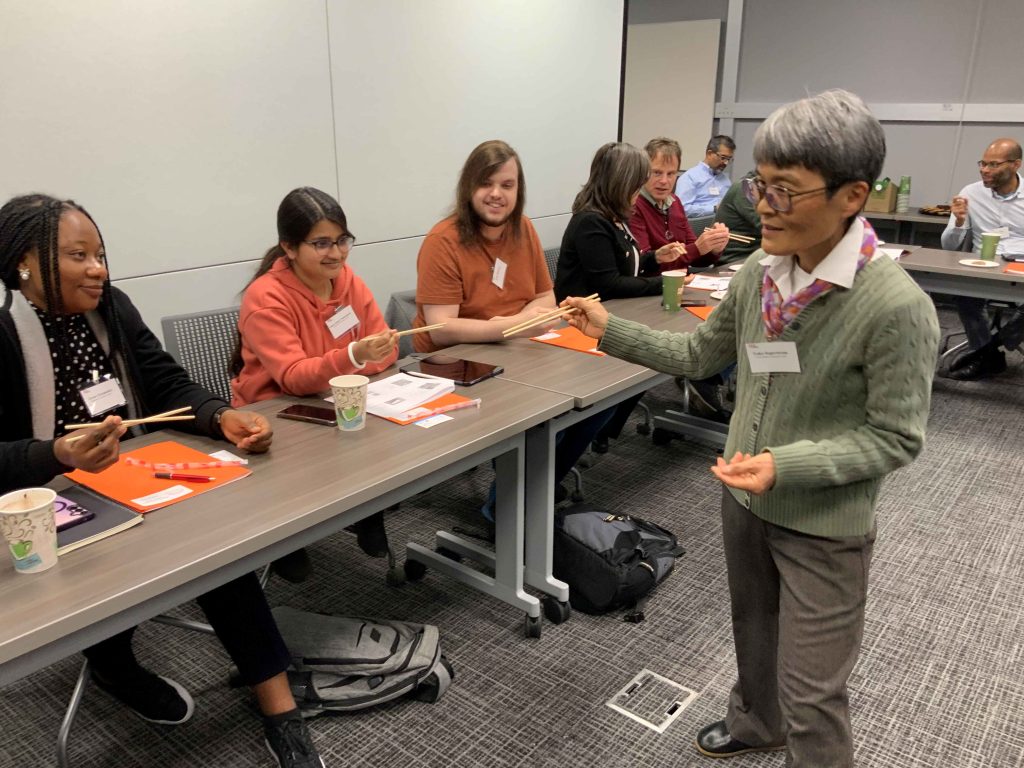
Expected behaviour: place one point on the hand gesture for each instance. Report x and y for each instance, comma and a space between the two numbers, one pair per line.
92, 449
247, 430
713, 239
374, 348
959, 209
669, 253
591, 318
746, 472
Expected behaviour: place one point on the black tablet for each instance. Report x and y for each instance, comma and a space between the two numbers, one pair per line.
463, 372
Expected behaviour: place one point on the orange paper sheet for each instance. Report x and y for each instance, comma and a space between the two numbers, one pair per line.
701, 312
438, 402
137, 488
571, 338
1014, 267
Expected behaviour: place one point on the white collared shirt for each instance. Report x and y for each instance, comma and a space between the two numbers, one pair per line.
838, 268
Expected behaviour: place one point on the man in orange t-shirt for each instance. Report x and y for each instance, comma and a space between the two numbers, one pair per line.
482, 270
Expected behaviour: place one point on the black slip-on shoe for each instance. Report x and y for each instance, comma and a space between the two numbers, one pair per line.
715, 741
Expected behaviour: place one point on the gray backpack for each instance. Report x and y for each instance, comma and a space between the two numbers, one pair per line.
341, 664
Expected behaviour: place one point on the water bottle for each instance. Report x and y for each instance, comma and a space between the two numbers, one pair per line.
903, 195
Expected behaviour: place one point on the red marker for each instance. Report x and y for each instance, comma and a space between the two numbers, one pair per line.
186, 478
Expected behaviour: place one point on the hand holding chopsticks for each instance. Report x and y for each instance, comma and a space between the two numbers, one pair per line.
172, 415
554, 314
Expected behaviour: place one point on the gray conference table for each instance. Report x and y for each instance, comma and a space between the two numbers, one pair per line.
594, 383
312, 483
938, 271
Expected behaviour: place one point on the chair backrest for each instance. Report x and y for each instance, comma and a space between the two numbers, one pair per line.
699, 223
399, 315
551, 257
202, 342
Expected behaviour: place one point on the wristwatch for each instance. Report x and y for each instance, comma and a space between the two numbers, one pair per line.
217, 416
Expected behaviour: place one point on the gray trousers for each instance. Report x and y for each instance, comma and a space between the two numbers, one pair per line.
798, 621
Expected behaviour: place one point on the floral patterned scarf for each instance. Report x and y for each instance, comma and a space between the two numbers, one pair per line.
778, 314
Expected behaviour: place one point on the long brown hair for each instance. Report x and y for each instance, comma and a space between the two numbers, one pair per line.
617, 173
482, 163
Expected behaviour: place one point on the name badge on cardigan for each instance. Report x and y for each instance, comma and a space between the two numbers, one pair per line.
773, 357
342, 321
498, 275
102, 396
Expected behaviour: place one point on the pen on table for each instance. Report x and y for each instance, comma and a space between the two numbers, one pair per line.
186, 478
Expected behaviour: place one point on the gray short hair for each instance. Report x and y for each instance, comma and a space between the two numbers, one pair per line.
833, 133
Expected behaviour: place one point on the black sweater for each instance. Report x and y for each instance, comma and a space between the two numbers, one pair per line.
598, 257
160, 384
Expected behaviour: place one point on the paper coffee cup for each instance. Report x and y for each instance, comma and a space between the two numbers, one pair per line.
672, 283
350, 401
26, 520
989, 241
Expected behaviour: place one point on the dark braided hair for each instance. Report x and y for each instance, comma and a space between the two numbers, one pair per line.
32, 222
300, 211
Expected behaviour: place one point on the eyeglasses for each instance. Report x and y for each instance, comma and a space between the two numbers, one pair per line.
778, 198
724, 158
991, 165
323, 245
664, 175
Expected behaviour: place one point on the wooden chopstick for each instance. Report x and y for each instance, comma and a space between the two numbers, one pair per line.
165, 416
132, 423
554, 314
410, 331
741, 238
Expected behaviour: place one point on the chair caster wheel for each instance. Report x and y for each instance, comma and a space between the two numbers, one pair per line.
555, 610
532, 627
643, 429
576, 497
661, 436
414, 570
395, 577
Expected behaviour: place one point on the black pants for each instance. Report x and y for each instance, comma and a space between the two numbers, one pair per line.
238, 613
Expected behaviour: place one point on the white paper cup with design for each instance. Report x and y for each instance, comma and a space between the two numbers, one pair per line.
27, 523
350, 401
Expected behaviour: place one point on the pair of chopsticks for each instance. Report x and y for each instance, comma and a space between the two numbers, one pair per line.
155, 419
547, 317
741, 238
411, 331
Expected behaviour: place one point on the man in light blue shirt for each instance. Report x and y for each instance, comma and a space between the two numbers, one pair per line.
994, 204
701, 188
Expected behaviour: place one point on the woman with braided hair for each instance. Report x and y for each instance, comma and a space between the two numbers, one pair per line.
63, 328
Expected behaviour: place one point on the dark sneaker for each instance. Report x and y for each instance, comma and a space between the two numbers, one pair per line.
152, 697
371, 536
714, 741
290, 744
294, 567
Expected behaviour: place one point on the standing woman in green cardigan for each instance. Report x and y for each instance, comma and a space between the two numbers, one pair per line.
835, 347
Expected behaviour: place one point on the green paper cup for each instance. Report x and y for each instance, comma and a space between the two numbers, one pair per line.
672, 283
27, 522
989, 241
350, 401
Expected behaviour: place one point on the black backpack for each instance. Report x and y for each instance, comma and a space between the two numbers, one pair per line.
611, 561
341, 664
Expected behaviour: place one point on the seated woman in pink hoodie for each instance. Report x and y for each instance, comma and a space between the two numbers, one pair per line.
305, 318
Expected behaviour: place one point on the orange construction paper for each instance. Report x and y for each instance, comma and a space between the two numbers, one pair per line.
571, 338
126, 484
438, 402
701, 312
1014, 267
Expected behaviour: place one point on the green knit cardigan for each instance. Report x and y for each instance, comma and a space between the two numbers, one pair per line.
855, 412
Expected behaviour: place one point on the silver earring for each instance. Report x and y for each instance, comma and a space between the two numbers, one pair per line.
24, 274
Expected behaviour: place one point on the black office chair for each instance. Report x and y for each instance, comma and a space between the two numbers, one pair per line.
203, 342
400, 314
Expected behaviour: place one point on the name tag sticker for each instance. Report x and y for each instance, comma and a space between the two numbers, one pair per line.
102, 396
342, 321
712, 190
1001, 231
773, 357
498, 275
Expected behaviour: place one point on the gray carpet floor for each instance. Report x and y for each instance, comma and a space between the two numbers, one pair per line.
940, 681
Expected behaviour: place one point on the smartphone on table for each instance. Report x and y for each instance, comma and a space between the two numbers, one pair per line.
465, 373
314, 414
